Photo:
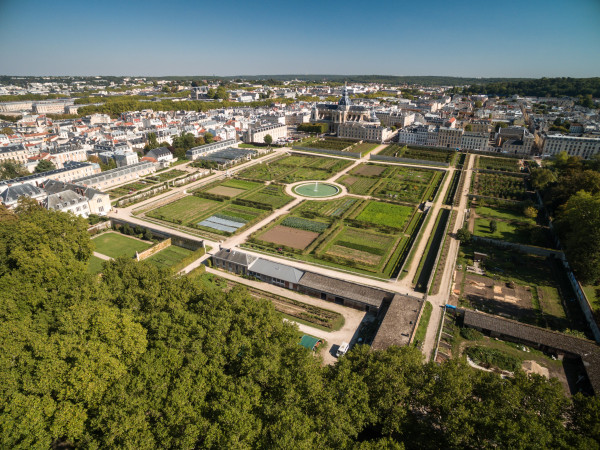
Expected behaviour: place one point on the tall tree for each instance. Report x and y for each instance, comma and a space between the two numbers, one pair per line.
580, 223
44, 166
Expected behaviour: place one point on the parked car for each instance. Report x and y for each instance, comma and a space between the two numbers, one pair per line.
342, 349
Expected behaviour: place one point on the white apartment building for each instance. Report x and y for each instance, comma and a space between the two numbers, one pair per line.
117, 176
585, 147
474, 141
364, 131
256, 133
425, 135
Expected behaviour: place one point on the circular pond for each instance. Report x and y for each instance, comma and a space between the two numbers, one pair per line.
316, 189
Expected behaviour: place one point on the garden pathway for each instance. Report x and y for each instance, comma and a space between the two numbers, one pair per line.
440, 299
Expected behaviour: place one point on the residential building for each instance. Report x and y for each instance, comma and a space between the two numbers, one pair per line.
16, 153
70, 171
256, 133
67, 201
398, 119
126, 158
120, 175
474, 141
449, 137
585, 147
161, 154
98, 201
364, 131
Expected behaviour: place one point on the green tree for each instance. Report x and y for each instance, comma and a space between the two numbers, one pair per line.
208, 138
478, 104
44, 166
7, 130
493, 226
464, 235
152, 142
268, 139
10, 170
580, 224
540, 178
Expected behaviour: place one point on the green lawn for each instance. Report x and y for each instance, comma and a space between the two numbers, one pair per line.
516, 232
590, 293
169, 256
502, 213
95, 265
386, 214
115, 245
187, 210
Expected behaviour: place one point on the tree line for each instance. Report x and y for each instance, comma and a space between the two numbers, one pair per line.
543, 87
570, 188
140, 358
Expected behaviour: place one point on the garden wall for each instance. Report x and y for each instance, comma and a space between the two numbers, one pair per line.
99, 227
154, 249
584, 303
408, 161
329, 152
522, 247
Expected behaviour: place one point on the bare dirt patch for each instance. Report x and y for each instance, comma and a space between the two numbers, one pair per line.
225, 191
498, 297
291, 237
349, 181
369, 170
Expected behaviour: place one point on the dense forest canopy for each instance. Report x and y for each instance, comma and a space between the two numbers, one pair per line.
543, 87
138, 358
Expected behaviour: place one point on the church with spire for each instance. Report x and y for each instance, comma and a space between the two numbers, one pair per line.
350, 121
342, 112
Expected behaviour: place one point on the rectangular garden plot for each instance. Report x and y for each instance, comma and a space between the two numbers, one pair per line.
387, 214
290, 237
226, 191
184, 211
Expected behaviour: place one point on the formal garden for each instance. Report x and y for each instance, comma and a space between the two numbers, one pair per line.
296, 167
499, 164
418, 153
224, 207
365, 236
393, 183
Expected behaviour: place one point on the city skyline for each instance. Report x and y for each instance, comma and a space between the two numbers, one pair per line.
147, 39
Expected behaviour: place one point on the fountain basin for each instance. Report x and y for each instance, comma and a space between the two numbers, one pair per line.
318, 190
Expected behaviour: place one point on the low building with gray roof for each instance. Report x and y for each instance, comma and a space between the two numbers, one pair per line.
343, 292
275, 273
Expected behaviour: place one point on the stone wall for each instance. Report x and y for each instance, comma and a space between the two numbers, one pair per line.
153, 250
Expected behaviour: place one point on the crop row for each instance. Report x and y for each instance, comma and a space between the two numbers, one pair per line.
304, 224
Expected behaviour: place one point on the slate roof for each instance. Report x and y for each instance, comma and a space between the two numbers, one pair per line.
63, 199
589, 351
55, 186
235, 257
399, 322
345, 289
158, 152
11, 194
276, 270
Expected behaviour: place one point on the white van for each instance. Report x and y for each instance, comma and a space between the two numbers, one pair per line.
342, 349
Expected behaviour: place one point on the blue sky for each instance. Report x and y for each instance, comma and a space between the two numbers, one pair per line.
526, 38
